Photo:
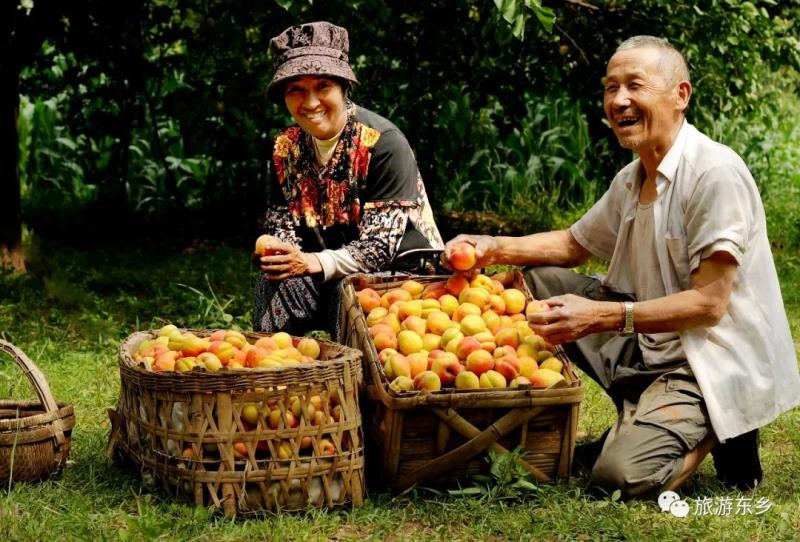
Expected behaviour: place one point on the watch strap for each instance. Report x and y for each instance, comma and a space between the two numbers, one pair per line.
627, 324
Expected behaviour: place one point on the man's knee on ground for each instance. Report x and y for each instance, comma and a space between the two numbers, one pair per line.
634, 479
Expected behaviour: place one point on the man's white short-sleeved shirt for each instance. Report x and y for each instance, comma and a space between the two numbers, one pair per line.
708, 202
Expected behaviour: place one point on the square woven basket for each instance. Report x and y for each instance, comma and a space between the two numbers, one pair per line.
187, 431
444, 436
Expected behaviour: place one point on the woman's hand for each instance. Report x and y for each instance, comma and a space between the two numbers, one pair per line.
570, 317
485, 248
288, 261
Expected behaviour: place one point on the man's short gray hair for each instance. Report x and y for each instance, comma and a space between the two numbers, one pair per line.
672, 66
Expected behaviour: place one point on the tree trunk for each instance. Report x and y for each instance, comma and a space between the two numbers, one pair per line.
10, 204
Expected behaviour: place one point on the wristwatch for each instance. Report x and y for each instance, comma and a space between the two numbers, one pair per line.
627, 325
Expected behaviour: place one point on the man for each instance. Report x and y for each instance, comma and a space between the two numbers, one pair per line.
687, 333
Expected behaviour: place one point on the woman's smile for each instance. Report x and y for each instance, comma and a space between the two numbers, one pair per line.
317, 104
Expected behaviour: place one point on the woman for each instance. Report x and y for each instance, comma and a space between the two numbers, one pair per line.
348, 195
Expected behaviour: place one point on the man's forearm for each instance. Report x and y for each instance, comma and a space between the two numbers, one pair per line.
557, 248
684, 310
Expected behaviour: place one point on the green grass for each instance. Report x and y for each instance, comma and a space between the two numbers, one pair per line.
69, 314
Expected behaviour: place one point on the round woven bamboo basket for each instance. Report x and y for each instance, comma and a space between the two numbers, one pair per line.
34, 435
183, 430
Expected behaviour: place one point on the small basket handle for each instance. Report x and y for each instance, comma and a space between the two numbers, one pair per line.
34, 375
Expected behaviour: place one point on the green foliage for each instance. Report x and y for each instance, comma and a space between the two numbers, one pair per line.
534, 173
213, 313
157, 109
515, 13
50, 160
508, 480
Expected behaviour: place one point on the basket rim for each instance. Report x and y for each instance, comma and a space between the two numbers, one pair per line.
345, 359
64, 411
138, 336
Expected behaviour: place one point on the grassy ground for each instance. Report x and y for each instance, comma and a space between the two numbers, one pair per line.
70, 312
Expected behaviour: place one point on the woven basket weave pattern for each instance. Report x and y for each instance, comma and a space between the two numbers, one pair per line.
187, 430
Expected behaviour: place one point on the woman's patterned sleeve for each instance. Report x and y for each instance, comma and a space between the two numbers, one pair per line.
382, 227
278, 222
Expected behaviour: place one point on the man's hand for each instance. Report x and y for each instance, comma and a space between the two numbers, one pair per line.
287, 262
570, 317
485, 247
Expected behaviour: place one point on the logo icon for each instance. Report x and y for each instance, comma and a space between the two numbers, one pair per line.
671, 502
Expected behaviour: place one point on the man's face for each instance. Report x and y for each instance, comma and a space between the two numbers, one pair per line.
317, 104
643, 108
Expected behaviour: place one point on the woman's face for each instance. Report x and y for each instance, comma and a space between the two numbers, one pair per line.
317, 104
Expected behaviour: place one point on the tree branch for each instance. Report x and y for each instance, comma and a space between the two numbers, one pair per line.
582, 4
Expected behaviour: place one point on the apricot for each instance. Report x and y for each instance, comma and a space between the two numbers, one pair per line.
394, 295
376, 315
266, 343
430, 341
309, 347
409, 308
477, 296
514, 300
472, 324
519, 381
223, 350
385, 354
465, 309
508, 367
462, 256
448, 304
455, 284
417, 362
429, 306
415, 324
466, 346
282, 340
446, 368
467, 380
263, 244
507, 336
482, 281
479, 361
250, 413
491, 318
427, 381
402, 383
545, 378
414, 288
409, 341
451, 334
235, 338
492, 379
209, 361
368, 299
434, 291
437, 322
536, 306
397, 365
554, 364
